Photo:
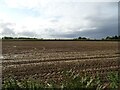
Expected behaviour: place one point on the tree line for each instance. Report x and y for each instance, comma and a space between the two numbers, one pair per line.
112, 37
17, 38
116, 37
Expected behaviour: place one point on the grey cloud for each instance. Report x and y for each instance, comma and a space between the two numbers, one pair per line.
105, 19
8, 31
28, 34
104, 27
5, 24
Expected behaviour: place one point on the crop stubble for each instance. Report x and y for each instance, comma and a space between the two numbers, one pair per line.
45, 60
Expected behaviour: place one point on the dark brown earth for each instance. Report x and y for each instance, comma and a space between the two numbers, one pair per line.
46, 60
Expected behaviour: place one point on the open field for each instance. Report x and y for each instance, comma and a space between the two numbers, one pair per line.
45, 60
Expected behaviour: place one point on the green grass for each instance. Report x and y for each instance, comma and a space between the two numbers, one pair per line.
72, 81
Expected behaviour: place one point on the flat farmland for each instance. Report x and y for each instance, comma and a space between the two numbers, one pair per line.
45, 60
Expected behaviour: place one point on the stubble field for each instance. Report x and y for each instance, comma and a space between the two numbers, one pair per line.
47, 60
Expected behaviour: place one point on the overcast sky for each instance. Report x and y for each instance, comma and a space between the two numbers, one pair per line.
58, 19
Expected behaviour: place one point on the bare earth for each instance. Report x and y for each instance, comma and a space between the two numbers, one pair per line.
46, 60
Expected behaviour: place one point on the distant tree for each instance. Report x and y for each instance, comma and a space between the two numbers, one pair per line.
79, 37
84, 38
108, 37
115, 37
118, 37
112, 37
18, 38
7, 37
